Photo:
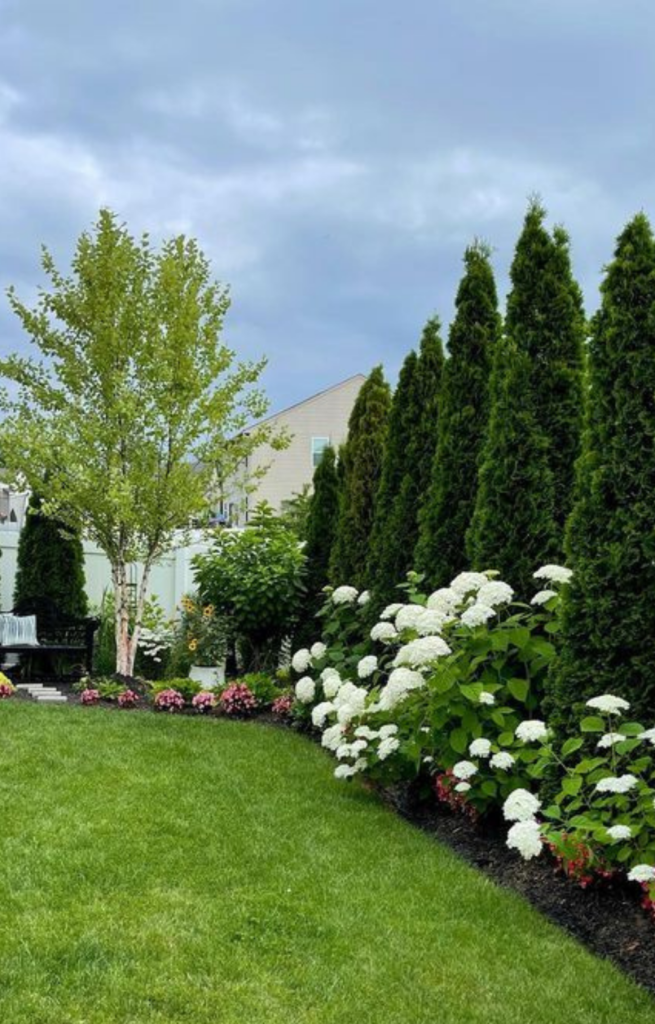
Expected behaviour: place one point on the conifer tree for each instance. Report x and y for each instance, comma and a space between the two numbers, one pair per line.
361, 470
50, 563
321, 527
609, 608
449, 499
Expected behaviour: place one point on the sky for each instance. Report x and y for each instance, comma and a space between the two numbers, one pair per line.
332, 157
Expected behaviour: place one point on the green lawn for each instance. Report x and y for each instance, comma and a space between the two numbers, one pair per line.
157, 869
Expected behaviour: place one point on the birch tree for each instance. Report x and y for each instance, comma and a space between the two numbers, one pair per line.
131, 405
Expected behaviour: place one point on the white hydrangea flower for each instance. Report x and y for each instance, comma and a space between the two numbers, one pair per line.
318, 650
486, 698
345, 595
648, 734
391, 610
641, 873
364, 597
521, 805
525, 836
384, 632
367, 666
301, 660
444, 600
320, 713
531, 731
609, 704
468, 583
477, 615
542, 596
305, 690
398, 685
388, 746
421, 652
553, 573
333, 737
366, 733
609, 739
408, 616
464, 770
494, 593
357, 746
480, 748
616, 784
349, 702
503, 760
331, 681
360, 764
462, 787
345, 771
388, 730
619, 832
431, 622
343, 751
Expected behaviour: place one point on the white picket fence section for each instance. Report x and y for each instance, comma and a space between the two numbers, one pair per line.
170, 579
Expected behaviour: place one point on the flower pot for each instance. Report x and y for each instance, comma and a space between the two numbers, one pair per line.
209, 676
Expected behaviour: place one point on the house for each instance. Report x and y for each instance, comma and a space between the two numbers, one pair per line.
13, 507
313, 424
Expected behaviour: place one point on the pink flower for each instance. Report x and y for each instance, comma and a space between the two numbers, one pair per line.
128, 699
90, 696
169, 700
6, 690
238, 699
204, 701
281, 706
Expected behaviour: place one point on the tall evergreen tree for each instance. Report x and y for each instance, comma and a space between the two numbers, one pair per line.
320, 531
50, 563
449, 500
361, 470
537, 381
609, 609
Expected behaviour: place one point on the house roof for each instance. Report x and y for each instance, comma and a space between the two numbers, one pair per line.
311, 398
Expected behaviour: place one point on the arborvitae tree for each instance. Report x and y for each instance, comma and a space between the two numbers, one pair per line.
320, 531
361, 468
50, 563
609, 608
449, 500
544, 332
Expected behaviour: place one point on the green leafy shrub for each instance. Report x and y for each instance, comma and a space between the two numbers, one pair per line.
187, 688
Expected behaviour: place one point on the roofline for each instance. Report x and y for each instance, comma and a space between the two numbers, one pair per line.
318, 394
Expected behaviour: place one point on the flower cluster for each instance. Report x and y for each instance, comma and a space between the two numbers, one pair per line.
238, 699
7, 688
169, 700
127, 699
281, 706
90, 696
204, 702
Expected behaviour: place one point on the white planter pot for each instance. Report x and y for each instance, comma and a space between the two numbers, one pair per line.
208, 676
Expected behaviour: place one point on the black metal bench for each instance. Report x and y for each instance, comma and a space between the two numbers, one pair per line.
58, 636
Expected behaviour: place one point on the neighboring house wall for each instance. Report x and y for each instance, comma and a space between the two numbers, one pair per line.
318, 421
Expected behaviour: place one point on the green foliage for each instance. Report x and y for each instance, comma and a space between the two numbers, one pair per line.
361, 457
448, 503
320, 532
50, 563
201, 633
255, 579
294, 514
609, 612
262, 686
187, 688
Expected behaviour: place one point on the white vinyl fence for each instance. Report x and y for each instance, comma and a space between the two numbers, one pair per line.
170, 579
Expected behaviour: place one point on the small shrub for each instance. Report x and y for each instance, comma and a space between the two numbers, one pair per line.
109, 689
90, 696
169, 700
7, 688
128, 699
238, 699
281, 706
187, 688
262, 686
204, 702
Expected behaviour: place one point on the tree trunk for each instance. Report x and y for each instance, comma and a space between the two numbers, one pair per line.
126, 642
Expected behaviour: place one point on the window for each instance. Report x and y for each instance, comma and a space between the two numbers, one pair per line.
319, 444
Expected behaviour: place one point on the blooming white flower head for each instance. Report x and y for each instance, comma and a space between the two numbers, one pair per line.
357, 746
431, 622
444, 600
331, 681
384, 632
503, 760
553, 573
609, 739
366, 733
346, 712
391, 610
423, 651
349, 702
486, 698
641, 873
345, 595
462, 787
616, 784
495, 593
648, 734
345, 771
468, 583
301, 660
367, 666
477, 615
318, 650
364, 597
531, 731
464, 770
333, 737
521, 805
305, 690
388, 746
343, 751
542, 596
609, 704
428, 759
619, 832
480, 748
400, 682
525, 836
388, 730
320, 713
408, 616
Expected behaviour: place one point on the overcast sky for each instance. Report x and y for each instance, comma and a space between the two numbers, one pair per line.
333, 157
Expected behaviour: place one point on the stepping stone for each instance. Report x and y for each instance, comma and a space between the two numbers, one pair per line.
50, 698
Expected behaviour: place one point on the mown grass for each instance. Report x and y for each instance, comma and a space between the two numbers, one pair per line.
157, 869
